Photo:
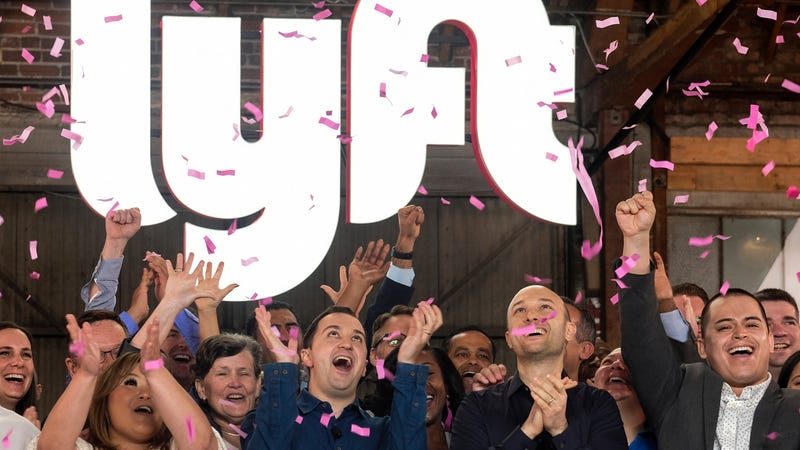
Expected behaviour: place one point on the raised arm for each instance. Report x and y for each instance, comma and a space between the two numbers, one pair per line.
367, 269
207, 306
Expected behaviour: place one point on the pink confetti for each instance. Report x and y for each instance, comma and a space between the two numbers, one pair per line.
643, 98
32, 246
27, 56
265, 301
434, 114
298, 420
238, 430
704, 254
254, 110
588, 250
561, 115
697, 85
552, 68
382, 90
680, 199
112, 209
701, 2
190, 428
474, 201
430, 300
650, 18
382, 372
624, 150
344, 139
26, 28
739, 47
66, 118
798, 279
407, 112
210, 247
355, 429
383, 10
551, 157
552, 106
21, 138
513, 60
643, 185
611, 48
614, 299
724, 288
225, 402
40, 204
524, 331
64, 93
325, 419
329, 123
319, 5
767, 78
153, 364
48, 109
76, 138
48, 22
536, 280
195, 6
601, 66
627, 265
767, 14
768, 168
35, 275
753, 118
79, 41
76, 348
28, 10
662, 164
774, 435
250, 260
109, 19
790, 85
758, 136
579, 297
620, 284
701, 241
793, 192
444, 201
196, 174
294, 332
2, 221
562, 91
323, 14
605, 23
7, 437
226, 172
392, 335
423, 58
712, 128
421, 189
779, 39
55, 50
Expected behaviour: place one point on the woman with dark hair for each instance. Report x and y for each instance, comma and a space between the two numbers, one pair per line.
228, 379
18, 417
134, 404
790, 372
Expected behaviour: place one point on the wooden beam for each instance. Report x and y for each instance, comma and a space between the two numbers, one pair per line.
733, 151
717, 177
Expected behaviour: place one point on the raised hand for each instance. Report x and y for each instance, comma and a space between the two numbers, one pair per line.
208, 286
489, 376
426, 319
371, 266
150, 353
160, 273
410, 219
549, 411
335, 295
83, 348
635, 216
123, 223
282, 353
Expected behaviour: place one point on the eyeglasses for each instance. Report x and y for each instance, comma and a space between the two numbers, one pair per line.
111, 353
394, 342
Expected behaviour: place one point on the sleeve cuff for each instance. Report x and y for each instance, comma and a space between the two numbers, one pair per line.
675, 325
130, 324
401, 275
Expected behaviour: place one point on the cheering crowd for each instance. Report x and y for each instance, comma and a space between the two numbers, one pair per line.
693, 372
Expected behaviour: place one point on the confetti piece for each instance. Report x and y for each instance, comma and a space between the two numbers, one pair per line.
21, 138
552, 106
704, 254
627, 264
2, 221
64, 93
551, 157
288, 111
605, 23
430, 300
294, 332
758, 136
712, 128
620, 284
236, 133
7, 437
561, 115
355, 429
650, 18
724, 288
196, 174
579, 297
614, 299
767, 78
26, 55
790, 85
524, 331
226, 172
779, 39
753, 118
701, 2
793, 192
35, 275
701, 241
319, 5
48, 22
680, 199
444, 201
323, 14
739, 47
383, 10
55, 50
479, 205
643, 98
662, 164
66, 118
238, 430
76, 348
48, 109
552, 68
407, 112
513, 60
423, 58
768, 168
109, 19
26, 28
40, 204
767, 14
344, 139
624, 149
421, 189
210, 247
76, 138
250, 260
382, 90
392, 335
325, 419
298, 420
153, 364
382, 372
329, 123
601, 66
588, 250
79, 41
32, 246
255, 110
195, 6
611, 48
434, 113
534, 279
774, 435
190, 428
265, 301
562, 91
28, 10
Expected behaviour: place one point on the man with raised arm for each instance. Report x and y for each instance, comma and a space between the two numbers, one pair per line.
327, 415
540, 407
731, 402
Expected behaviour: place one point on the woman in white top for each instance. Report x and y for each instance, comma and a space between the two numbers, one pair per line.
134, 404
18, 420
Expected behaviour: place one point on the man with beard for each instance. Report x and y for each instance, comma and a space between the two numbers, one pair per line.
179, 358
471, 350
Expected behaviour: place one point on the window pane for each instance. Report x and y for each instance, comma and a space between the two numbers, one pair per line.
751, 251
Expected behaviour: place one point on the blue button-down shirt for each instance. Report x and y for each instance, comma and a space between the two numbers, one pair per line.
288, 420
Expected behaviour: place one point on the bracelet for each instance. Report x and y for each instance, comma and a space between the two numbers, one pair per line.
401, 255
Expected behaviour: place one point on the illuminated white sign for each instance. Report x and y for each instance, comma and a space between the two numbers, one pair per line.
291, 175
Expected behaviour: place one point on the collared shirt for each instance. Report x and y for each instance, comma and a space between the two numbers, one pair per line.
491, 419
16, 430
286, 420
735, 419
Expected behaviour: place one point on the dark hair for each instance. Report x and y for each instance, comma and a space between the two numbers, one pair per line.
731, 292
223, 345
786, 370
29, 399
586, 329
691, 290
464, 329
312, 328
776, 295
397, 310
251, 328
96, 315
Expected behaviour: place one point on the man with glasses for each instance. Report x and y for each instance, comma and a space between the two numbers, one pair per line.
108, 331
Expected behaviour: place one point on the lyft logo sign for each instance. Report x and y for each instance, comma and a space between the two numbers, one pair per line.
397, 106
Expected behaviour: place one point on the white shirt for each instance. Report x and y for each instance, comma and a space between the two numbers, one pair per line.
735, 420
16, 430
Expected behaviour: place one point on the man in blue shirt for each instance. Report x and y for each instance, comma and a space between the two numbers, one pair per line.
327, 415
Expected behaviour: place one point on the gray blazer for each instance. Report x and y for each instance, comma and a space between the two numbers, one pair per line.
681, 402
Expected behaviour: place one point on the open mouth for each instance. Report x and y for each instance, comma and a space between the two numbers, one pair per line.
14, 378
781, 346
741, 350
468, 374
182, 358
343, 362
235, 397
617, 380
429, 399
144, 409
536, 332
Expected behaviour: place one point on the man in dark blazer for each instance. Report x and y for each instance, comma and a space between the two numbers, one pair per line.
731, 402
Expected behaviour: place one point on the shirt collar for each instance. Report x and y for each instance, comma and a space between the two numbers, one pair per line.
307, 403
753, 392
